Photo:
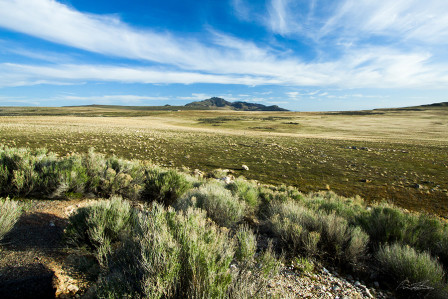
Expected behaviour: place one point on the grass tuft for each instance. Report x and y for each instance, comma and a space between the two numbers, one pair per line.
10, 212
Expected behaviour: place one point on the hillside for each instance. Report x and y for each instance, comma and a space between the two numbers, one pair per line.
219, 103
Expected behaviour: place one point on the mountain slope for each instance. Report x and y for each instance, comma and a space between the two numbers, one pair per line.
219, 103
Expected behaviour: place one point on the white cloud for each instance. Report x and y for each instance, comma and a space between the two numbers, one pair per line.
232, 60
425, 21
110, 98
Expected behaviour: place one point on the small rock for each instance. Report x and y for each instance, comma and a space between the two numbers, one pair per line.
51, 223
245, 167
376, 284
357, 283
418, 186
198, 173
72, 289
368, 294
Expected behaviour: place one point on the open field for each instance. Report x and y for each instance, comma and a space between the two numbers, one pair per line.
397, 155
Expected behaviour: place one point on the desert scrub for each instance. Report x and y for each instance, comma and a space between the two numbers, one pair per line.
10, 212
246, 191
219, 203
310, 233
146, 265
329, 202
121, 177
185, 255
24, 171
388, 224
412, 270
251, 271
100, 225
270, 194
205, 255
164, 186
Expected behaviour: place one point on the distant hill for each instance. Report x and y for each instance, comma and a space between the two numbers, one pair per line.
443, 104
219, 103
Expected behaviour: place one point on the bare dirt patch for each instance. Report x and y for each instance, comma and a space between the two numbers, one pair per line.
33, 256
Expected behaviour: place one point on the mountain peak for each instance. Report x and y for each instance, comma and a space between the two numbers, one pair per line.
220, 103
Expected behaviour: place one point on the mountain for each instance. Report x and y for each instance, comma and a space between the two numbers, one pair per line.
219, 103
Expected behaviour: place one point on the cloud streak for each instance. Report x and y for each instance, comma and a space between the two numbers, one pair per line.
226, 59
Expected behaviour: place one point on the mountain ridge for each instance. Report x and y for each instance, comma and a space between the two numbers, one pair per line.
220, 103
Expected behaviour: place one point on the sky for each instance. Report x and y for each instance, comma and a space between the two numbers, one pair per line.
303, 55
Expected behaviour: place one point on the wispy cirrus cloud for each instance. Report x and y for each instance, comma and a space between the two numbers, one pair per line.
425, 21
224, 58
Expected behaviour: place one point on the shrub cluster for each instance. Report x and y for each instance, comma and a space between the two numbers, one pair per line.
10, 212
100, 225
219, 203
160, 253
407, 246
188, 254
25, 172
310, 232
414, 271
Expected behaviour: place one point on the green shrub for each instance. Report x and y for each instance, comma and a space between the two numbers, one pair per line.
246, 191
246, 244
386, 224
251, 272
330, 202
100, 225
303, 265
219, 203
10, 212
357, 247
164, 186
310, 232
185, 255
413, 270
205, 255
146, 265
18, 174
159, 254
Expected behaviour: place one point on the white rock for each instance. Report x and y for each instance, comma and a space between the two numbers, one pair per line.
72, 288
245, 167
367, 292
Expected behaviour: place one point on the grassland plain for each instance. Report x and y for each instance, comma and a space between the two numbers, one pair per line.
398, 155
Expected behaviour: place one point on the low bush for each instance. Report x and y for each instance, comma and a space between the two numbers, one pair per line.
412, 270
348, 208
164, 186
219, 203
100, 225
310, 232
145, 265
386, 224
25, 172
303, 265
172, 254
205, 255
251, 272
10, 212
246, 191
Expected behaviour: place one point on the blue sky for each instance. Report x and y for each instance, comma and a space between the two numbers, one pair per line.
308, 55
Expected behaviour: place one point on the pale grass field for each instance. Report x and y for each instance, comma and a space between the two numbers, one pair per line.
406, 161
